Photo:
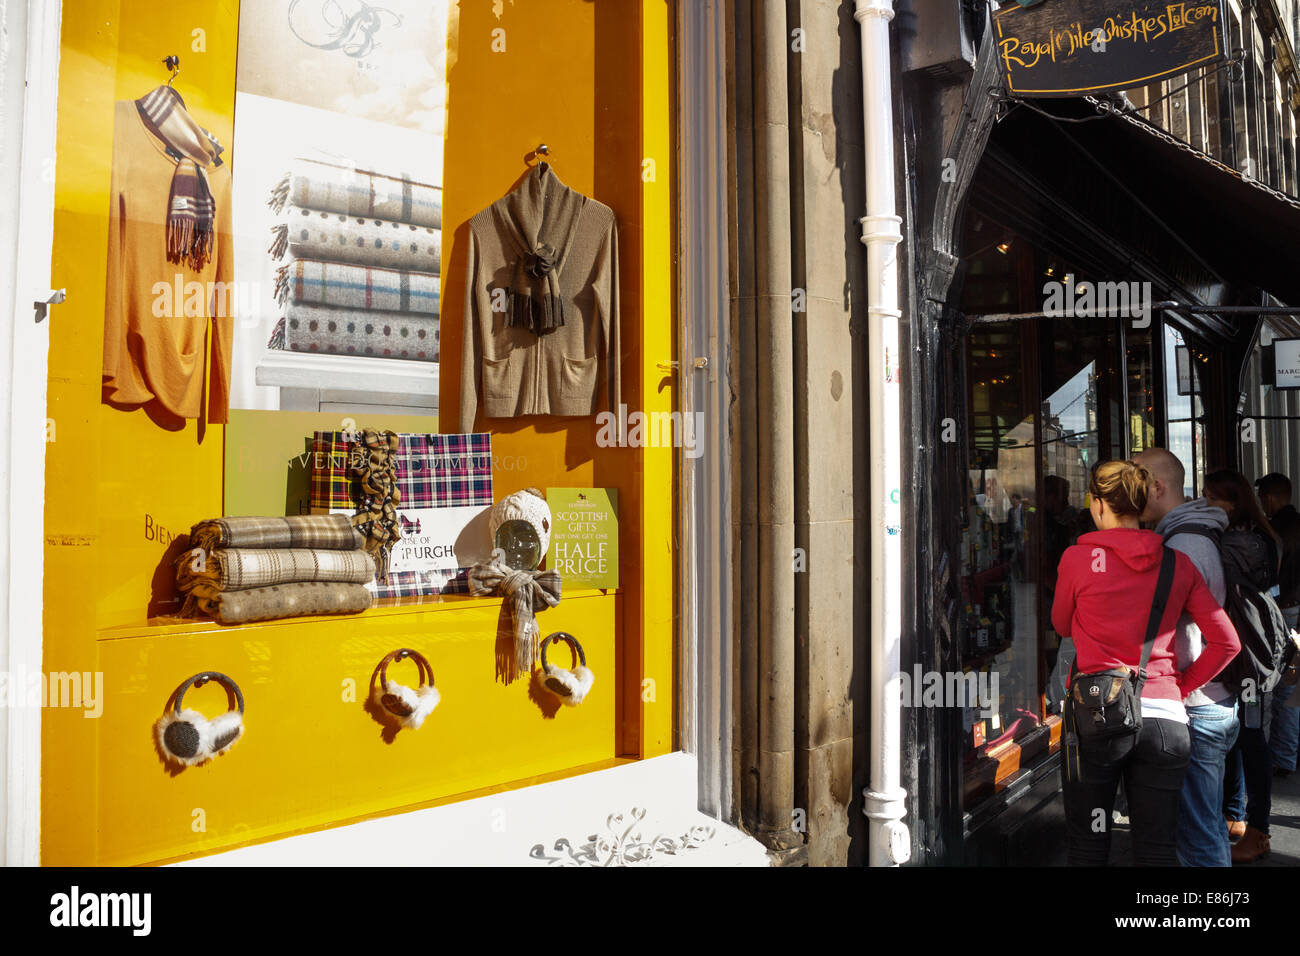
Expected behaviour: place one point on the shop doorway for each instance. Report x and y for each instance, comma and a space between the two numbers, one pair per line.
1047, 399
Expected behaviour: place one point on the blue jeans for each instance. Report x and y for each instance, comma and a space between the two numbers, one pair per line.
1202, 831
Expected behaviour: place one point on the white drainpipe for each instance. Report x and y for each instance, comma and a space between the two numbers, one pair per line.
885, 799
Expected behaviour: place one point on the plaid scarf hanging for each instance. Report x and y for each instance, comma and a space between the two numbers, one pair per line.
373, 463
191, 210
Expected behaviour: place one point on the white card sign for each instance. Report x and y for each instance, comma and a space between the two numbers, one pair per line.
1286, 363
440, 539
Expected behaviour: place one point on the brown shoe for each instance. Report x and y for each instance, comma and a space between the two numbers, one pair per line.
1236, 829
1251, 847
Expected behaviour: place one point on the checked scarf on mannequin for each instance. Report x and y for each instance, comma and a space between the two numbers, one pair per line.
525, 593
191, 210
374, 464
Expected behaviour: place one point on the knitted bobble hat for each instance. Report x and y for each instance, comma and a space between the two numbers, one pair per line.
526, 505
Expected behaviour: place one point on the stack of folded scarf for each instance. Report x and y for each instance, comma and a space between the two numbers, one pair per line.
365, 253
259, 569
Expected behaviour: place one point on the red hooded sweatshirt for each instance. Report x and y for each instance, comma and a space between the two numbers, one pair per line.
1104, 592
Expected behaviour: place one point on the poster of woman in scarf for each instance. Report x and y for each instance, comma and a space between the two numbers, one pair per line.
338, 205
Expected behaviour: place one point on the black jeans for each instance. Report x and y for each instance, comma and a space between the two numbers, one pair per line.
1252, 754
1152, 765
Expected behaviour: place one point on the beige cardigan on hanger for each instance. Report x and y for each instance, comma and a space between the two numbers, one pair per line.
510, 370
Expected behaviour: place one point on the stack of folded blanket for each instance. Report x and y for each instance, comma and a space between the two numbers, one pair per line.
365, 254
259, 569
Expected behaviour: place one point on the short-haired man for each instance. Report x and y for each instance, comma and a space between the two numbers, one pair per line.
1275, 497
1212, 709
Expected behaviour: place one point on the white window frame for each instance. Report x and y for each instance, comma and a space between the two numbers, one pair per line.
29, 82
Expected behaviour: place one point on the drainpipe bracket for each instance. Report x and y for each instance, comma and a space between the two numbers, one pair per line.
874, 8
882, 229
888, 810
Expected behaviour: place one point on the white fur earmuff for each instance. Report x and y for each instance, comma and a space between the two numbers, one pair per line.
571, 686
408, 706
187, 738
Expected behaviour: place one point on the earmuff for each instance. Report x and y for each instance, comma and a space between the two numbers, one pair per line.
410, 707
188, 738
570, 686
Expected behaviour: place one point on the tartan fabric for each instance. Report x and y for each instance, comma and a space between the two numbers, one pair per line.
444, 471
358, 192
238, 569
332, 484
326, 532
313, 282
191, 211
433, 471
411, 584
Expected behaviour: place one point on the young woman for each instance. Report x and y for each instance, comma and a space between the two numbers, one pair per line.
1105, 591
1251, 549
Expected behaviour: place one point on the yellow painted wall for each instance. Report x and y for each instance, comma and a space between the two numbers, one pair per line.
117, 483
591, 80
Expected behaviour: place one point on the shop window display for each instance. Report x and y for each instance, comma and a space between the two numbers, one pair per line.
329, 470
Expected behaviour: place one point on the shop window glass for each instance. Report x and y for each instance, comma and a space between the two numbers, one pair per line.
1141, 392
1000, 549
1047, 399
1186, 415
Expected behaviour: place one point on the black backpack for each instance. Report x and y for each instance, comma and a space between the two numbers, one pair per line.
1257, 668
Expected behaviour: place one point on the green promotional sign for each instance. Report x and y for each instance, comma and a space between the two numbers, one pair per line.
584, 536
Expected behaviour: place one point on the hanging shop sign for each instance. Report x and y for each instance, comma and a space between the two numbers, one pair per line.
1183, 361
1075, 47
1286, 363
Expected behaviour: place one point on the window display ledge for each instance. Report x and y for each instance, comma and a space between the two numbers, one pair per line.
469, 833
347, 373
388, 607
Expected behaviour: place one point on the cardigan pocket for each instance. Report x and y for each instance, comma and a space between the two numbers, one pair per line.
503, 383
572, 385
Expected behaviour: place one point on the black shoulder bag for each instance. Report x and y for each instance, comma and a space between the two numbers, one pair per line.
1108, 704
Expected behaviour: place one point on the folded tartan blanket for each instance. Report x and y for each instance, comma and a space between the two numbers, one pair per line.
358, 192
334, 331
312, 234
356, 287
286, 600
238, 569
325, 532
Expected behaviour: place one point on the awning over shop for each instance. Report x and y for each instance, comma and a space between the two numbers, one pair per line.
1176, 201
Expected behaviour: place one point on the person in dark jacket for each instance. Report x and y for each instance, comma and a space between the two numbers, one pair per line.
1275, 498
1105, 588
1253, 549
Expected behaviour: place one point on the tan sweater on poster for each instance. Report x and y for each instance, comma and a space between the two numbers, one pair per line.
156, 345
573, 370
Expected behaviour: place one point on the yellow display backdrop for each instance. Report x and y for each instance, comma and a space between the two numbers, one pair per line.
593, 80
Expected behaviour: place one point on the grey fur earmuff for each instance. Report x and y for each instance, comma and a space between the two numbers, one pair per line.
571, 686
187, 738
410, 707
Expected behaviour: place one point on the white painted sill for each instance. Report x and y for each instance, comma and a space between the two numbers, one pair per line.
504, 829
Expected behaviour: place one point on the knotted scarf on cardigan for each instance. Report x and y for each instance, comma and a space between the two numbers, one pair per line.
540, 217
525, 593
191, 210
374, 463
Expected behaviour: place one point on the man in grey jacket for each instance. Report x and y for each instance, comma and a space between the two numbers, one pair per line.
1212, 709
